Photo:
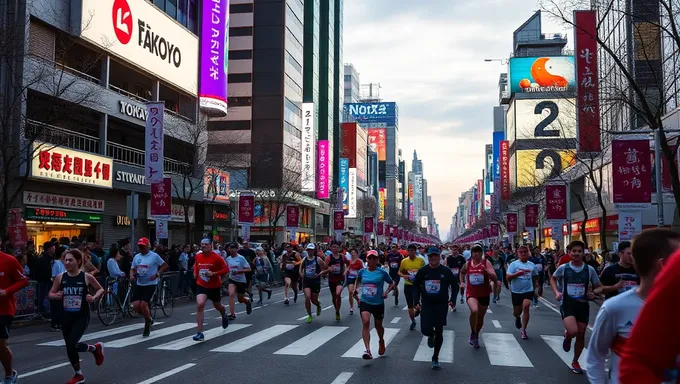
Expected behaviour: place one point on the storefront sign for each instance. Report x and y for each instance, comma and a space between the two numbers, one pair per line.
352, 194
556, 202
220, 215
70, 166
585, 47
16, 228
216, 185
161, 199
323, 165
62, 215
505, 170
308, 150
132, 110
214, 55
122, 221
130, 178
292, 215
61, 201
531, 216
632, 174
246, 208
630, 224
368, 224
511, 222
154, 144
177, 213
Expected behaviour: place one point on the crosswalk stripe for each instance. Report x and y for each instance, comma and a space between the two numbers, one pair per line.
311, 342
358, 349
504, 350
184, 342
405, 308
167, 374
101, 334
424, 353
155, 334
255, 339
555, 343
395, 320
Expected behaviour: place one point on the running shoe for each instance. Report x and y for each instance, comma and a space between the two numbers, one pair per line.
249, 307
495, 300
259, 303
269, 294
475, 342
147, 331
435, 364
518, 322
225, 321
381, 347
453, 309
566, 344
472, 339
367, 355
232, 316
12, 379
77, 379
98, 353
417, 313
337, 316
309, 319
413, 326
351, 311
199, 337
318, 310
295, 297
576, 368
524, 334
286, 302
430, 341
461, 300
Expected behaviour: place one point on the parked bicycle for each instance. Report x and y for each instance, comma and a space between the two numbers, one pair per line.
110, 306
162, 298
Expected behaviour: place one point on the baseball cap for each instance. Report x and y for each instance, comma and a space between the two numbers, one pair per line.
143, 241
433, 251
206, 241
372, 253
311, 246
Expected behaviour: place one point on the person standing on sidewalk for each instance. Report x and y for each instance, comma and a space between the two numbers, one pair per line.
12, 279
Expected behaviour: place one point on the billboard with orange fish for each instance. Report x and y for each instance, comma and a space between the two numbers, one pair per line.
542, 74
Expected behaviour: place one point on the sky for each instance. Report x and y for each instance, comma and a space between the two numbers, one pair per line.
428, 56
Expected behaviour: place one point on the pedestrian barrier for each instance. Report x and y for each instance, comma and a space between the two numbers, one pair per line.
26, 302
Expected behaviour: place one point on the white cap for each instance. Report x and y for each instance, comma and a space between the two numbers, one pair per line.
206, 241
311, 246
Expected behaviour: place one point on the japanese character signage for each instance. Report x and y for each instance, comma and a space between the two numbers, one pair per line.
61, 201
154, 161
161, 229
71, 166
245, 232
631, 174
368, 224
292, 215
323, 164
161, 199
588, 102
308, 150
531, 216
382, 196
246, 208
343, 183
16, 228
505, 170
338, 220
493, 231
630, 224
61, 215
352, 194
556, 202
214, 51
511, 222
380, 229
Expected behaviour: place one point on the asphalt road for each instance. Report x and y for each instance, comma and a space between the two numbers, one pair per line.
275, 345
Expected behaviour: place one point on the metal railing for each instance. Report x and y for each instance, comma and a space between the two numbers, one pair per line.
136, 157
129, 94
50, 134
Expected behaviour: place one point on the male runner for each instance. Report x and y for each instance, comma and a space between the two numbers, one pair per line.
12, 279
523, 277
336, 274
209, 268
311, 269
479, 273
496, 259
620, 277
455, 262
394, 259
146, 268
408, 269
290, 262
540, 261
238, 266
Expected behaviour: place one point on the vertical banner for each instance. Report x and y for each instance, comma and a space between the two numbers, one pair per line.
292, 215
557, 229
323, 163
511, 222
245, 232
338, 220
339, 195
161, 229
556, 202
308, 150
505, 170
368, 224
293, 234
494, 230
161, 199
632, 174
380, 230
153, 147
246, 208
531, 216
630, 224
214, 61
16, 228
352, 194
588, 102
382, 197
343, 183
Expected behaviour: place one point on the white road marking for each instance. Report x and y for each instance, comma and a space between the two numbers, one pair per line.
101, 334
311, 342
182, 343
255, 339
209, 310
358, 349
343, 378
405, 308
395, 320
489, 311
155, 334
504, 350
555, 309
41, 370
555, 343
496, 323
167, 374
424, 353
323, 309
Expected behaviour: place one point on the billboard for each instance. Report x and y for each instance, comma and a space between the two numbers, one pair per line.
497, 138
352, 194
534, 166
214, 56
215, 185
308, 150
383, 113
377, 140
323, 165
488, 186
542, 74
344, 183
382, 194
540, 119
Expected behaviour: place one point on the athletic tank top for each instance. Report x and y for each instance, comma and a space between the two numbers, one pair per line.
260, 267
336, 267
75, 291
311, 268
477, 280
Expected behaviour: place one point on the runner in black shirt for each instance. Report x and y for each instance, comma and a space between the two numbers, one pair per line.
455, 262
619, 277
394, 259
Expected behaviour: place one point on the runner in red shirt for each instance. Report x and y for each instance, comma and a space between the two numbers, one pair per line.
209, 268
12, 279
351, 273
479, 273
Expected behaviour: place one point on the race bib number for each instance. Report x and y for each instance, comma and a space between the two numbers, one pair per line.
369, 290
432, 286
290, 267
539, 267
142, 270
352, 274
201, 274
394, 265
476, 278
260, 269
628, 284
412, 275
72, 303
576, 291
310, 270
497, 266
455, 271
526, 275
335, 269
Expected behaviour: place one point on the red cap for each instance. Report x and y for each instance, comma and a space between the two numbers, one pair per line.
144, 241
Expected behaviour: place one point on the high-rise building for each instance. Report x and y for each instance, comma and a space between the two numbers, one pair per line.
352, 84
416, 165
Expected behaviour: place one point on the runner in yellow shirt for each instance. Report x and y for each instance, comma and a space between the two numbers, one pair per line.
408, 269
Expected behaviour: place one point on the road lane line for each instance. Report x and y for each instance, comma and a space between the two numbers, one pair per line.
405, 308
182, 343
343, 378
504, 350
102, 334
358, 349
167, 374
496, 323
41, 370
208, 310
395, 320
311, 342
155, 334
555, 343
255, 339
424, 353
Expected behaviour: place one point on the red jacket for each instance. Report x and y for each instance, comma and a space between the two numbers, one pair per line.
12, 279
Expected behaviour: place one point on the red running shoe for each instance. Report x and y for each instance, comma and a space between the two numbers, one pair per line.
98, 354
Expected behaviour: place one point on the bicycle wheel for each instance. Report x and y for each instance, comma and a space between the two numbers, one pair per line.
108, 308
168, 301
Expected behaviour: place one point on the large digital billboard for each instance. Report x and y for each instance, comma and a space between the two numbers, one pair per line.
542, 74
377, 140
542, 119
535, 166
367, 114
214, 57
497, 138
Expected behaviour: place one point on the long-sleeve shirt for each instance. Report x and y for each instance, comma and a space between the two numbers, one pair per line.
652, 351
434, 284
113, 268
12, 279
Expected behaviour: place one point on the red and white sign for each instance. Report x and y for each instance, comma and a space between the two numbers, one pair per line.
122, 21
588, 102
511, 222
505, 169
631, 174
531, 216
246, 208
61, 201
380, 230
556, 202
339, 220
292, 215
630, 224
493, 231
70, 166
161, 199
154, 142
16, 228
368, 224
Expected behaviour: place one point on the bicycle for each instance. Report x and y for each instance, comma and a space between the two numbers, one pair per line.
109, 305
163, 298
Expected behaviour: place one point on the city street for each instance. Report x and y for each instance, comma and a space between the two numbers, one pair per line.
275, 345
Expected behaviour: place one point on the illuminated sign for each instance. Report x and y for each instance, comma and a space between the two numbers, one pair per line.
70, 166
62, 215
541, 74
539, 119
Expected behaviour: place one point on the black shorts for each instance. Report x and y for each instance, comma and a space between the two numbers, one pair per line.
240, 287
483, 301
214, 294
409, 293
143, 293
314, 285
394, 274
378, 311
293, 275
518, 298
433, 316
579, 310
5, 323
333, 285
349, 281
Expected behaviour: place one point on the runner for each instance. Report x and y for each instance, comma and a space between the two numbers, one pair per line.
71, 287
455, 261
209, 268
290, 262
479, 273
498, 262
620, 277
578, 280
541, 262
146, 268
352, 271
12, 279
433, 282
394, 259
262, 270
311, 269
336, 274
238, 266
372, 301
650, 251
523, 277
408, 269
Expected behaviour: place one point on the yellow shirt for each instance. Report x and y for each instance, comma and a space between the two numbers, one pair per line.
411, 267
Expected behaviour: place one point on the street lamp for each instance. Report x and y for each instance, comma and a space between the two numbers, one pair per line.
502, 61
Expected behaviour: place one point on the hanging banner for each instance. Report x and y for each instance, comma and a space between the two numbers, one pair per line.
16, 228
505, 170
292, 215
245, 232
308, 148
531, 216
293, 234
588, 101
338, 220
246, 208
494, 230
632, 174
323, 165
161, 229
368, 224
511, 222
161, 199
630, 224
153, 134
556, 202
343, 183
352, 194
382, 197
214, 57
380, 229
